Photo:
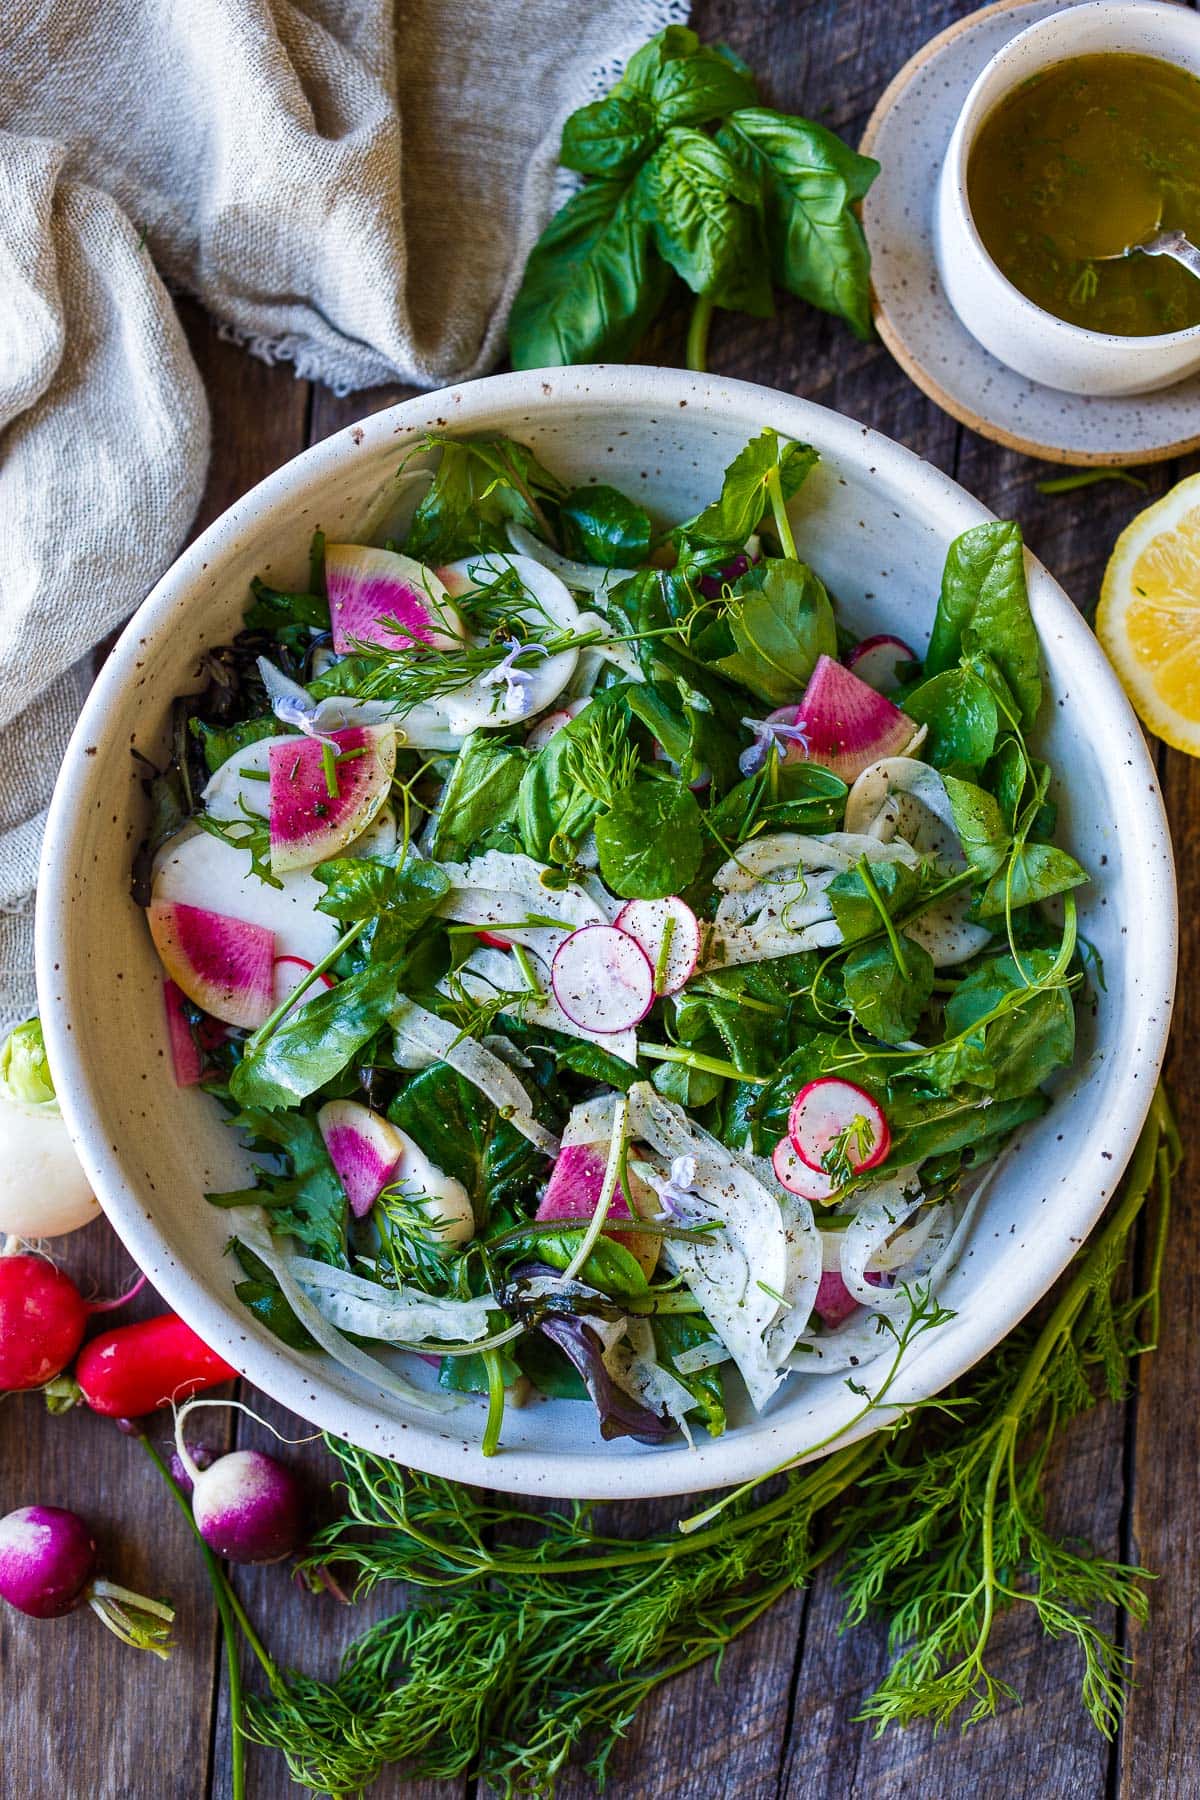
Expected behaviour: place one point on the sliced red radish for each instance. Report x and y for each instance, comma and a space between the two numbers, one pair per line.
646, 922
834, 1302
324, 792
553, 722
185, 1052
798, 1178
574, 1190
831, 1112
602, 979
494, 940
876, 661
288, 973
364, 1149
223, 964
848, 725
381, 597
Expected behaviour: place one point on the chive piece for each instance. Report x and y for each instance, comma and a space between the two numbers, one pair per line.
329, 764
664, 951
1085, 478
254, 775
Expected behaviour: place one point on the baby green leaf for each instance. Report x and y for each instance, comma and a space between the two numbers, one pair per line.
731, 519
979, 824
692, 90
781, 621
886, 1002
313, 1044
480, 795
1036, 872
960, 710
461, 1132
650, 840
855, 908
984, 608
601, 525
610, 137
1014, 1052
359, 887
479, 485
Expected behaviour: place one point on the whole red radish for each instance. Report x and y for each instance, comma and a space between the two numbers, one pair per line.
42, 1319
135, 1369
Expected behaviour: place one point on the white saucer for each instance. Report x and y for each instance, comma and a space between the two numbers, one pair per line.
909, 132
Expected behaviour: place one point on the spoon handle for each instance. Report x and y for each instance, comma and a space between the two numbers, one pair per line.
1175, 245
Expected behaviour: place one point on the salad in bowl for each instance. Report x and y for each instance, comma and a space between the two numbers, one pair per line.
623, 972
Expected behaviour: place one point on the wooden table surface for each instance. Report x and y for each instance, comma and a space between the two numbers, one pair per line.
83, 1719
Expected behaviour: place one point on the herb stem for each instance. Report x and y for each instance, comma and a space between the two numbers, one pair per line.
696, 1059
267, 1029
697, 337
495, 1413
869, 882
783, 525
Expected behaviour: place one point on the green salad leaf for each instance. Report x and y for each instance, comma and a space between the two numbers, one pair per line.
650, 840
983, 608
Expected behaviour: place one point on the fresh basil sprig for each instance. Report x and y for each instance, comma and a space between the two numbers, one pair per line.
685, 172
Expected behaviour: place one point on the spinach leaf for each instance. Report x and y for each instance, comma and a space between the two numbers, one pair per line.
649, 840
854, 906
886, 1001
362, 887
306, 1200
984, 609
674, 1333
553, 810
730, 520
707, 225
781, 621
613, 136
1015, 1052
464, 1134
479, 797
610, 1266
593, 282
602, 525
1034, 872
960, 711
809, 181
220, 742
480, 484
312, 1045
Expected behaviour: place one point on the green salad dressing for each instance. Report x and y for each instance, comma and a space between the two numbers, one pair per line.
1077, 163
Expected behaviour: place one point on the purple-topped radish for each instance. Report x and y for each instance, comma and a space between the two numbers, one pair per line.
223, 964
798, 1178
835, 1118
573, 1192
48, 1569
602, 979
325, 791
877, 661
186, 1059
847, 725
668, 931
369, 1154
380, 597
287, 974
247, 1506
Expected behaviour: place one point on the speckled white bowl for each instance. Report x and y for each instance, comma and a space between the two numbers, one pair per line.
876, 522
1018, 332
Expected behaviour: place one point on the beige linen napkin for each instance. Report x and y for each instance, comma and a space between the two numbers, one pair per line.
351, 185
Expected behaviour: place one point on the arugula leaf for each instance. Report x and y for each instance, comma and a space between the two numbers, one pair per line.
983, 609
307, 1201
960, 710
463, 1134
809, 181
479, 797
593, 282
602, 525
649, 840
707, 225
613, 136
1035, 872
220, 742
781, 621
312, 1045
480, 484
886, 1001
361, 887
730, 520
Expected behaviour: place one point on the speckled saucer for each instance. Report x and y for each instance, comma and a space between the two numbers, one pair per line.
909, 132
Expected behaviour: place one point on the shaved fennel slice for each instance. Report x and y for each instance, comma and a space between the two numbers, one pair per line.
251, 1228
488, 972
586, 578
738, 1273
501, 887
421, 1034
774, 897
403, 1316
610, 648
632, 1361
802, 1279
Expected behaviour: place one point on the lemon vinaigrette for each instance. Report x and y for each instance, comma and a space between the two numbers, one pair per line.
1077, 163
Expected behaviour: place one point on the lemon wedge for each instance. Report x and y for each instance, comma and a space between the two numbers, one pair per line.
1148, 619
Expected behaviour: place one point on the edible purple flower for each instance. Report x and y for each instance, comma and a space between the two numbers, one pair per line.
516, 681
768, 733
292, 704
679, 1187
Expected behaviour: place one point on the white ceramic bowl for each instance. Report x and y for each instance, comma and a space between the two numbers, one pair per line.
1021, 334
876, 521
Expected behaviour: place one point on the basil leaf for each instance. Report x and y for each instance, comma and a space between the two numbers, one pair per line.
984, 609
1036, 871
731, 519
979, 823
480, 796
592, 284
644, 66
650, 840
463, 1134
960, 711
809, 181
613, 136
692, 90
886, 1002
480, 484
602, 525
550, 802
781, 621
361, 887
707, 224
313, 1044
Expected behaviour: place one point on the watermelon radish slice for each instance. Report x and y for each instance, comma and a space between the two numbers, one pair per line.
287, 974
223, 964
323, 794
797, 1177
186, 1059
201, 870
834, 1302
574, 1189
602, 979
848, 725
380, 597
646, 922
828, 1110
364, 1149
876, 660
